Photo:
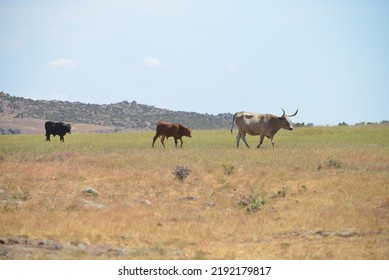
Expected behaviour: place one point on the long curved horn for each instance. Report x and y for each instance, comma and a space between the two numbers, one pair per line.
294, 113
283, 115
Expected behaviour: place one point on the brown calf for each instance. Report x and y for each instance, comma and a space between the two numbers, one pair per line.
175, 130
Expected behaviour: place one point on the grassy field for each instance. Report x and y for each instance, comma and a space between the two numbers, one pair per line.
322, 193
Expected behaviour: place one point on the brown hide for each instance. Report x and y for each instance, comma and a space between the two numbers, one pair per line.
175, 130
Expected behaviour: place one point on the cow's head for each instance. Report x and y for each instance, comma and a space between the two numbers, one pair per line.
186, 131
68, 128
285, 120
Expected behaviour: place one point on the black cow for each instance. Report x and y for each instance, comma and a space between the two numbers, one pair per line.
57, 128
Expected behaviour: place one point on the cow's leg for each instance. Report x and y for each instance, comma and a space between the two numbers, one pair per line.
237, 140
163, 140
48, 137
61, 138
272, 140
260, 141
154, 139
175, 141
182, 142
244, 139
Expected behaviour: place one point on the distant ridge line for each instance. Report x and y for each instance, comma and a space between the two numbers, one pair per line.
121, 116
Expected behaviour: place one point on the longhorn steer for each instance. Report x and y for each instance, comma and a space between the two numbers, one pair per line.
260, 124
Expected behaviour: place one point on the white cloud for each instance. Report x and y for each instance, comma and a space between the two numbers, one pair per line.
152, 62
231, 67
64, 63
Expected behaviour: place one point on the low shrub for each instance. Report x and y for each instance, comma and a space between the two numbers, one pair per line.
252, 203
181, 172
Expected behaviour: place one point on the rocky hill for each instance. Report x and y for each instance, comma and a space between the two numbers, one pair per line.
122, 116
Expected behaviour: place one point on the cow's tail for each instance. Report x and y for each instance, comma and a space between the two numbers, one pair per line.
233, 120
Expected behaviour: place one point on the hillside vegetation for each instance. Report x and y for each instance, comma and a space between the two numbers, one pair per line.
322, 193
120, 116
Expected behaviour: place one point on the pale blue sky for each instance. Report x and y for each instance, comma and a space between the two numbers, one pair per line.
328, 58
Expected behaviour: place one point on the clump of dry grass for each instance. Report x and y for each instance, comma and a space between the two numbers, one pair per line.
330, 163
228, 169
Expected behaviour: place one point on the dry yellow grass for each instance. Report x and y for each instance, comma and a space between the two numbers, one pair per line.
326, 193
